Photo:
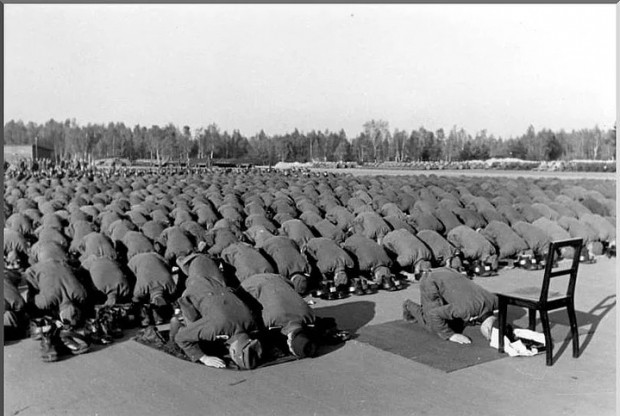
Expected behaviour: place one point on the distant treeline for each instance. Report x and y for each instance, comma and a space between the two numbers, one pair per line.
376, 143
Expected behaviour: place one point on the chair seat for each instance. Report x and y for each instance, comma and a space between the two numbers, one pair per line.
532, 293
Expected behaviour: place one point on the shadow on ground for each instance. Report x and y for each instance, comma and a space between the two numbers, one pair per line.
350, 316
591, 319
587, 323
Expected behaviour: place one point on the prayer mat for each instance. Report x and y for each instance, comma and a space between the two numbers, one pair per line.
414, 342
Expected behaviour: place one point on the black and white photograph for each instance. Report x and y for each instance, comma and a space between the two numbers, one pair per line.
316, 209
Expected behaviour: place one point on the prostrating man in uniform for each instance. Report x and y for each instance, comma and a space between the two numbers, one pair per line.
373, 262
449, 302
291, 264
281, 307
333, 263
214, 314
154, 286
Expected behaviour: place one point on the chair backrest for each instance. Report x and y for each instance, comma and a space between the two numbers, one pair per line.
554, 250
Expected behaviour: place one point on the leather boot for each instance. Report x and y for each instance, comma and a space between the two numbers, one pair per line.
49, 339
73, 342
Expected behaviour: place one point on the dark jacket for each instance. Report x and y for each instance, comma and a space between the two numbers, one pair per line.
328, 256
201, 266
14, 241
108, 280
216, 311
427, 221
470, 218
447, 218
53, 235
340, 216
280, 305
441, 248
98, 245
408, 249
446, 295
20, 223
246, 260
14, 304
368, 253
54, 285
504, 237
119, 228
134, 242
286, 256
297, 231
78, 230
473, 244
206, 216
328, 230
399, 223
176, 242
536, 239
218, 239
42, 251
578, 229
152, 229
511, 214
153, 278
371, 225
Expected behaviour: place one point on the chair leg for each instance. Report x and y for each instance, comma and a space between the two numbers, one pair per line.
503, 311
544, 320
573, 328
532, 317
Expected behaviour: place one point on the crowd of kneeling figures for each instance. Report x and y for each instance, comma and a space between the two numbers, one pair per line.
231, 259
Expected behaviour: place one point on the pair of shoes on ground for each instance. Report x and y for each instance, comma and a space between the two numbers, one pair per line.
327, 291
151, 315
57, 342
390, 284
362, 287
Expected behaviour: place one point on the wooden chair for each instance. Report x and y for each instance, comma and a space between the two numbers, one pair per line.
539, 299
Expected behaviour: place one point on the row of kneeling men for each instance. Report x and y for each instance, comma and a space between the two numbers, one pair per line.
107, 241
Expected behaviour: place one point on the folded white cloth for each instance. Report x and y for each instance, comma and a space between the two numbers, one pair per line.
513, 349
529, 334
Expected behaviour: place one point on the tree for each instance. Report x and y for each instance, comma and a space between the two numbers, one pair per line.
552, 147
399, 138
76, 140
466, 153
52, 136
440, 144
362, 146
610, 142
238, 145
263, 148
342, 151
185, 143
16, 133
70, 140
451, 144
431, 148
414, 145
376, 131
141, 147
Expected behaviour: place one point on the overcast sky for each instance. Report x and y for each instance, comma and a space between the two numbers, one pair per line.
280, 67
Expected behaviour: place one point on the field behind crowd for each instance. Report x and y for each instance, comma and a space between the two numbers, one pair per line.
472, 172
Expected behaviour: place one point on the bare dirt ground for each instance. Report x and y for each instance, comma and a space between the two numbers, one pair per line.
128, 378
